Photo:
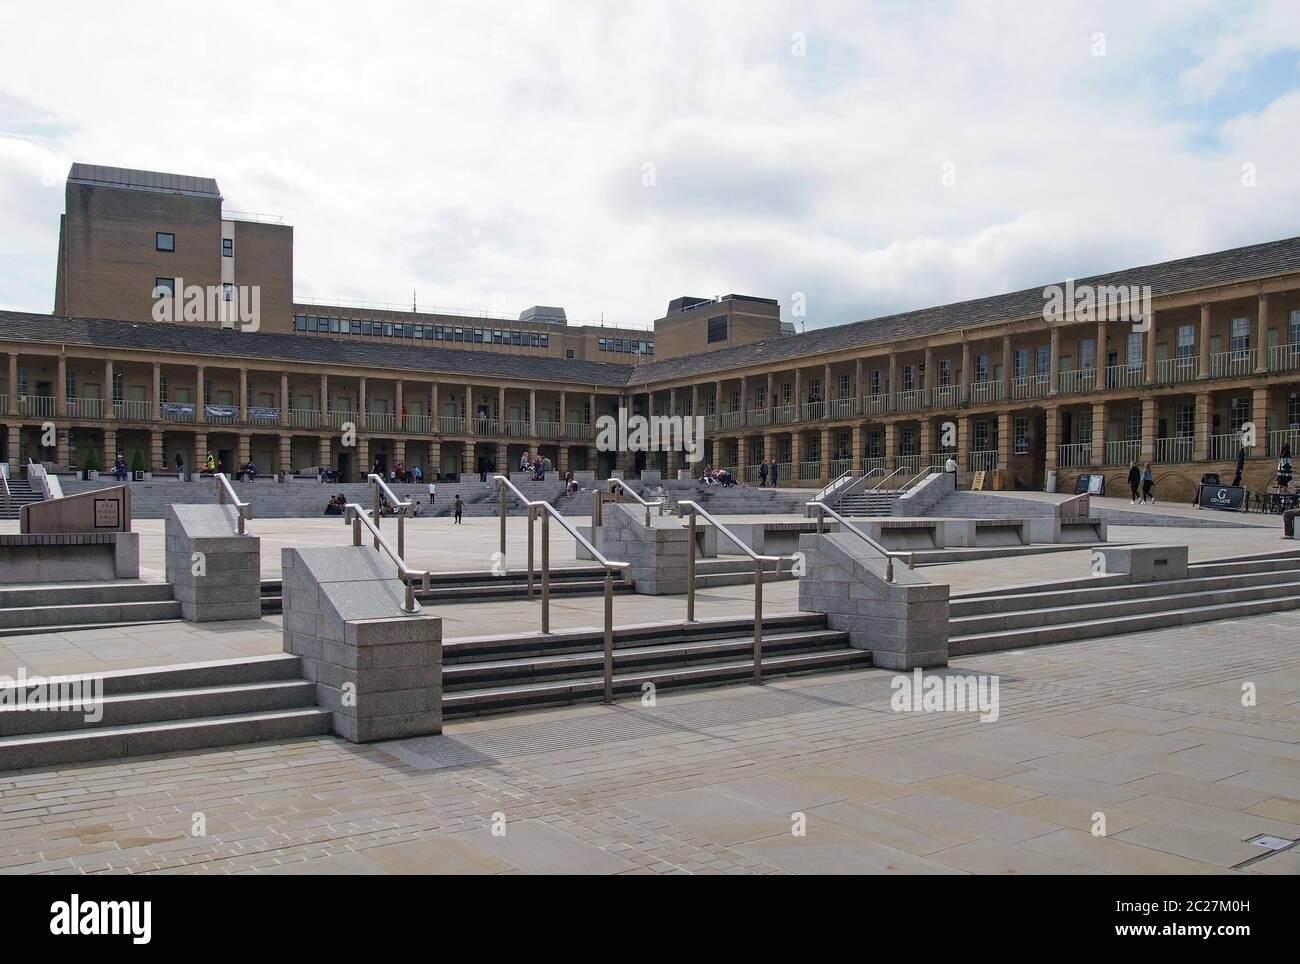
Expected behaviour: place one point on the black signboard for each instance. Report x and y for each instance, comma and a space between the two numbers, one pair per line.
1090, 485
1230, 498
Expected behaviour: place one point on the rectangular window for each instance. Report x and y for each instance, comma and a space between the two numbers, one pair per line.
945, 373
982, 435
1088, 354
909, 378
1186, 341
164, 241
1134, 423
311, 322
1133, 349
228, 291
981, 368
1186, 420
568, 353
164, 287
516, 337
846, 386
1293, 329
300, 322
535, 339
1238, 413
419, 332
1021, 435
334, 326
545, 340
1021, 363
1240, 334
1043, 360
227, 247
875, 382
718, 329
603, 348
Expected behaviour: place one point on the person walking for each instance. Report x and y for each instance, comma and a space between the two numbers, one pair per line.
458, 507
1241, 466
773, 474
1148, 484
1284, 472
1134, 480
762, 474
433, 491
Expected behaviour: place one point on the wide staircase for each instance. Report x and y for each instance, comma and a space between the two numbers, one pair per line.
69, 606
501, 673
1106, 605
21, 493
162, 710
869, 504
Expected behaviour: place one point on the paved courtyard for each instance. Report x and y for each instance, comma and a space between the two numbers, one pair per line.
1148, 730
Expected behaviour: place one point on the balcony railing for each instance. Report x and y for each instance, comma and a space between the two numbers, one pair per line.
418, 424
845, 407
731, 420
517, 428
1125, 376
132, 410
710, 423
875, 405
985, 393
1284, 358
176, 411
221, 417
264, 416
1177, 449
1170, 371
1284, 436
340, 418
812, 411
810, 471
840, 466
41, 406
1080, 380
305, 418
1224, 448
1074, 455
549, 429
85, 407
982, 460
757, 417
781, 415
948, 396
1230, 364
908, 465
1123, 452
579, 430
910, 401
451, 425
381, 421
1031, 386
873, 462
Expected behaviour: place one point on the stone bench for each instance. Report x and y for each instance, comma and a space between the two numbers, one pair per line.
771, 538
1149, 563
69, 557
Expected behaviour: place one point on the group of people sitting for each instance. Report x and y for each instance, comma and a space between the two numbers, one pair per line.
338, 505
247, 472
535, 465
722, 477
570, 483
400, 473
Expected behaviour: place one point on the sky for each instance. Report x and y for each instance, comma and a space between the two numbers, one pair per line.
856, 158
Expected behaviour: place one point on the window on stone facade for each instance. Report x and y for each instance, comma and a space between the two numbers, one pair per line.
1084, 422
981, 435
1186, 341
1186, 420
1133, 349
1133, 423
1238, 413
1021, 362
1043, 360
874, 444
875, 382
846, 383
1088, 354
227, 247
981, 368
718, 329
909, 378
164, 287
908, 441
164, 241
1021, 435
945, 373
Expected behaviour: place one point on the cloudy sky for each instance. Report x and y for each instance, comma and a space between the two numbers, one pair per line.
609, 156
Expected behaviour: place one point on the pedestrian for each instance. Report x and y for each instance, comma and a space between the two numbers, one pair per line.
762, 474
1288, 523
1148, 484
1134, 480
180, 467
458, 507
774, 473
1241, 466
433, 491
1284, 474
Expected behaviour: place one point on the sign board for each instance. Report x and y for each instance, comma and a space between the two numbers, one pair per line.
1090, 485
977, 482
1230, 498
108, 514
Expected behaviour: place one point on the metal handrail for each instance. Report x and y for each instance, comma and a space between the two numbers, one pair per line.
378, 486
924, 473
890, 555
360, 516
695, 510
549, 512
243, 510
830, 486
841, 494
4, 484
877, 486
623, 487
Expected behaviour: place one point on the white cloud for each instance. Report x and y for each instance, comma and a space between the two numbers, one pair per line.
492, 154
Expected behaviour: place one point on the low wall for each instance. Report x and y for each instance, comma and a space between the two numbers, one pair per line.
69, 557
215, 573
103, 510
921, 498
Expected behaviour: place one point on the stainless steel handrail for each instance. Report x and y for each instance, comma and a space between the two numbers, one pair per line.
924, 473
830, 486
243, 510
549, 512
623, 487
876, 487
842, 494
890, 555
377, 487
695, 509
360, 516
4, 484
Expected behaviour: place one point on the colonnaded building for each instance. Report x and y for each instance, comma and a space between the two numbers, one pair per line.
999, 383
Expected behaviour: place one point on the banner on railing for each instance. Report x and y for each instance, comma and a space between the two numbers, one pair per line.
1229, 498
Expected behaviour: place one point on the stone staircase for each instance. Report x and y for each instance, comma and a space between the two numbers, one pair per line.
860, 504
503, 673
1106, 605
163, 710
64, 606
21, 493
735, 500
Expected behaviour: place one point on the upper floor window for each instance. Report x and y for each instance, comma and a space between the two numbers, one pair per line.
945, 373
1186, 341
875, 382
164, 287
1134, 349
1240, 334
568, 353
909, 377
164, 241
1088, 353
227, 247
718, 328
1043, 360
1021, 362
981, 368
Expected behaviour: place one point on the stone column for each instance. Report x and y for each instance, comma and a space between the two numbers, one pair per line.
434, 414
742, 453
962, 457
798, 394
13, 382
1004, 441
892, 389
61, 454
695, 401
200, 403
927, 378
562, 463
1054, 364
325, 455
1101, 354
157, 392
1201, 428
109, 410
826, 455
285, 453
245, 448
1098, 433
1006, 367
363, 456
857, 389
324, 405
110, 448
1053, 436
11, 447
564, 425
361, 403
532, 412
1259, 415
1150, 350
399, 452
1148, 430
156, 451
243, 396
1203, 343
501, 411
859, 446
965, 380
1261, 336
891, 445
398, 404
284, 399
927, 437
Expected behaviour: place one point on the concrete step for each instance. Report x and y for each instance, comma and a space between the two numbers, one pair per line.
160, 706
495, 673
64, 747
55, 594
91, 614
486, 700
216, 672
962, 645
1014, 619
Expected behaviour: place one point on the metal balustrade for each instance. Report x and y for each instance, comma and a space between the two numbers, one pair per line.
579, 430
451, 425
549, 429
620, 490
1284, 436
226, 493
873, 464
1176, 449
875, 405
910, 401
1079, 380
1125, 376
1122, 452
304, 418
732, 420
845, 407
812, 411
757, 417
359, 516
984, 393
1224, 448
781, 415
1031, 386
177, 412
947, 396
908, 464
221, 418
1074, 455
264, 418
1284, 358
821, 510
710, 423
40, 406
381, 421
340, 419
982, 460
840, 467
132, 410
810, 471
547, 512
85, 407
1171, 371
1231, 364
